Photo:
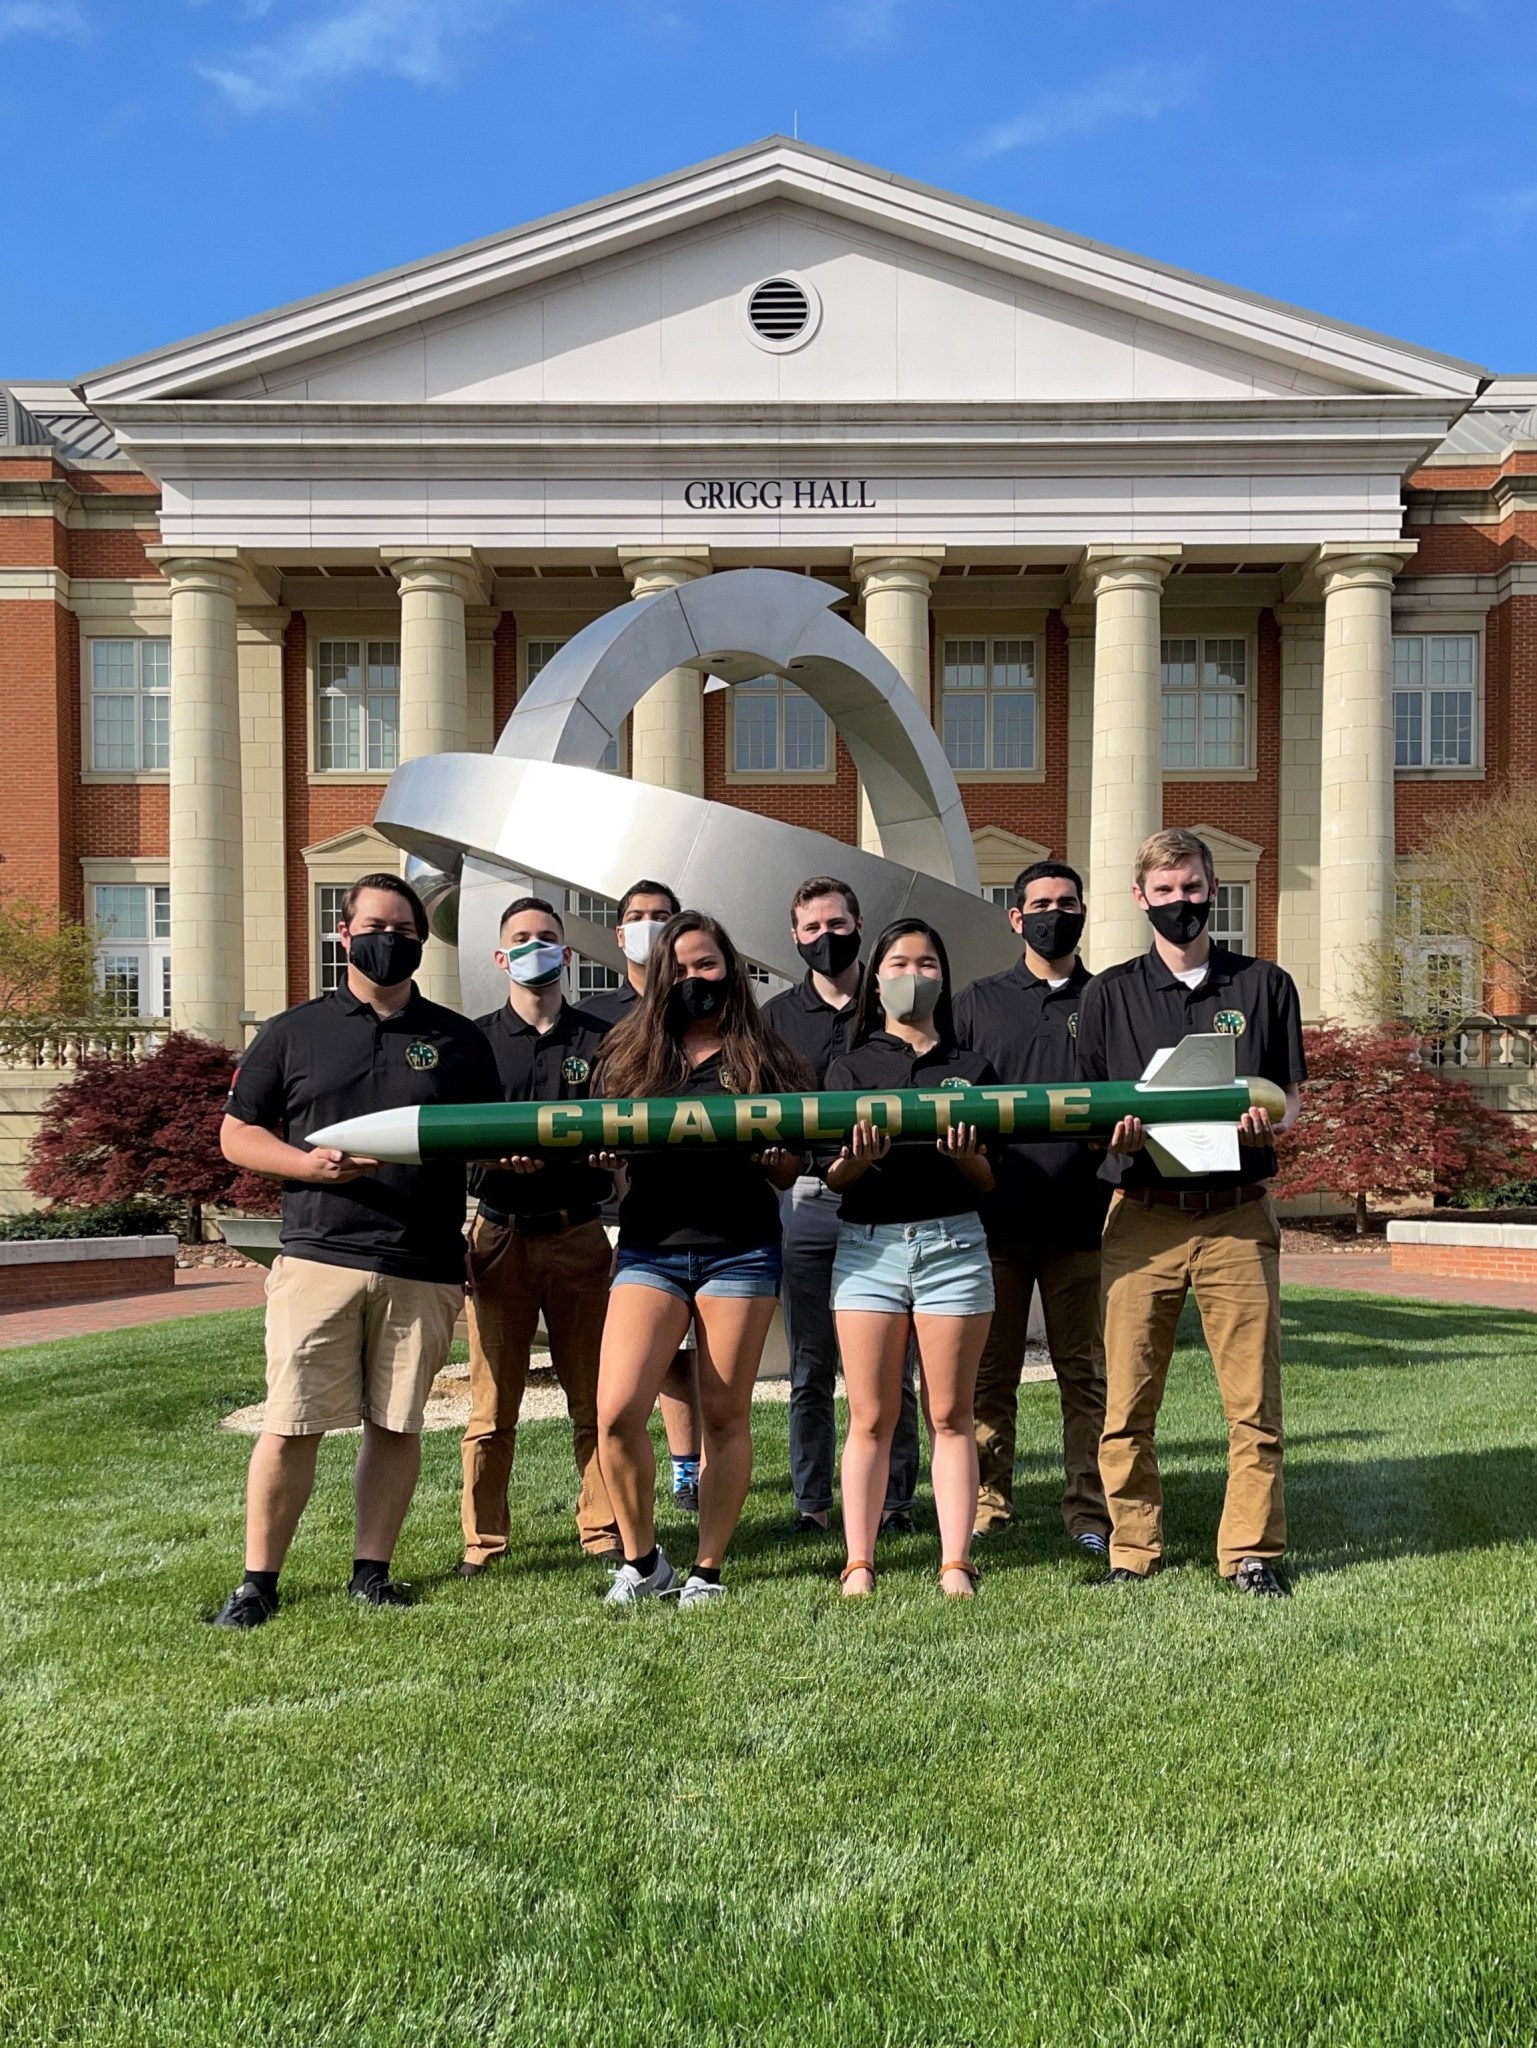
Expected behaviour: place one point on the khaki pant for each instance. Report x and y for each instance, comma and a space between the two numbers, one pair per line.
343, 1342
1150, 1259
515, 1277
1069, 1284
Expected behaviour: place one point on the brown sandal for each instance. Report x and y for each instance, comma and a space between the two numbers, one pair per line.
960, 1564
857, 1564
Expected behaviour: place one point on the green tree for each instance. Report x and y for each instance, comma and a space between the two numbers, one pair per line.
47, 962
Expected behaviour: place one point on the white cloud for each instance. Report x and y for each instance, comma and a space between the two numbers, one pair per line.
413, 40
42, 18
865, 24
1133, 92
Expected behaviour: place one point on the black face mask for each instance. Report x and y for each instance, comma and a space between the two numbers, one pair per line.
830, 952
386, 958
1179, 922
1054, 934
692, 1001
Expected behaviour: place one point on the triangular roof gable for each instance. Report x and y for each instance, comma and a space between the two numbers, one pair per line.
779, 168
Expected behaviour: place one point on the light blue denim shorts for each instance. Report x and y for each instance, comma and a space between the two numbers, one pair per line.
938, 1269
703, 1269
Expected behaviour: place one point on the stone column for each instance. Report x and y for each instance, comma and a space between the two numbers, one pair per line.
1356, 845
1302, 654
435, 586
667, 725
1126, 778
207, 893
1078, 619
895, 587
260, 655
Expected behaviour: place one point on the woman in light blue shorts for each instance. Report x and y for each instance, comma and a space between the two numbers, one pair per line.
912, 1257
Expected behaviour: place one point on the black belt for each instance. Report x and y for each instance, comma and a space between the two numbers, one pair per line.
1198, 1202
542, 1222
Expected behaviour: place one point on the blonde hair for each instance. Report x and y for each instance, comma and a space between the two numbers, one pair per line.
1170, 850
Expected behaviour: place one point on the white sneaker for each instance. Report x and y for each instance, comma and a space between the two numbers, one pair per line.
698, 1592
631, 1586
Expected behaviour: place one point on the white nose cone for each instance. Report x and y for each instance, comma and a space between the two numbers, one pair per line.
388, 1134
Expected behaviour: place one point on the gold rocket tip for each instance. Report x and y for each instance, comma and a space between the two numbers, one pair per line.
1266, 1095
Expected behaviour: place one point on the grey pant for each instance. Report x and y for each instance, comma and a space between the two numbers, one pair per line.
810, 1214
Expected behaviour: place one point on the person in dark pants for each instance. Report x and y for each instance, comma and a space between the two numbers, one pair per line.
362, 1301
1044, 1218
814, 1017
643, 909
537, 1247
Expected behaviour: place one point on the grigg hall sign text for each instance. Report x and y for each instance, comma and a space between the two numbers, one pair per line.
776, 494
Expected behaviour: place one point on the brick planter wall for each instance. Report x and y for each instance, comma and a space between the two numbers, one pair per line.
44, 1272
1465, 1251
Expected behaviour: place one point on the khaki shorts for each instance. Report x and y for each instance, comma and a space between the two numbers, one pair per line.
342, 1344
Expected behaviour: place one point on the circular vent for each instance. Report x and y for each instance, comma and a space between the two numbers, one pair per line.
779, 310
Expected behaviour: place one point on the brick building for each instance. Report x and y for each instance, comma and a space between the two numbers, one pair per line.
1149, 548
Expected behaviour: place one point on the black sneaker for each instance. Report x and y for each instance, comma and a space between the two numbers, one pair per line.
384, 1593
472, 1568
686, 1499
1091, 1543
247, 1607
1257, 1577
808, 1525
898, 1524
1120, 1576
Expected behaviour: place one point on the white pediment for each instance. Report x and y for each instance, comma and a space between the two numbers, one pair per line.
925, 298
1230, 854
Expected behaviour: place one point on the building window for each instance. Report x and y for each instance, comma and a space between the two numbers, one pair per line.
330, 954
130, 704
592, 979
133, 954
1438, 983
537, 655
776, 729
1001, 893
1229, 923
357, 706
987, 704
1433, 686
1205, 704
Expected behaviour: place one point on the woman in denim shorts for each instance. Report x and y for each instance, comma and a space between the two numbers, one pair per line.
698, 1242
912, 1257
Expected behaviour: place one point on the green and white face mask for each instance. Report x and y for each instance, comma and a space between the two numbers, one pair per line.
536, 964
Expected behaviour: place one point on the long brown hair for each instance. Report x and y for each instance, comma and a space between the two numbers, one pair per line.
644, 1055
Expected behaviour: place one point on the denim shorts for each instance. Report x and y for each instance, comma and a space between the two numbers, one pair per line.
938, 1269
688, 1270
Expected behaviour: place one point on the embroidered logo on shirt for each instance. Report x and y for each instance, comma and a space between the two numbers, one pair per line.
574, 1068
420, 1055
1072, 1025
955, 1081
1230, 1022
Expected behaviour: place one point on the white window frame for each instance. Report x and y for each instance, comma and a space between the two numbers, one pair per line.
149, 952
991, 641
590, 977
142, 695
1472, 769
1201, 771
1234, 932
535, 652
1417, 949
369, 645
330, 959
778, 690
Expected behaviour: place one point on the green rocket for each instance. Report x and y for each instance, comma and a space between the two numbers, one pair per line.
1189, 1100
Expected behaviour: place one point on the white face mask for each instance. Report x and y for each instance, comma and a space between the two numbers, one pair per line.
910, 998
638, 939
537, 964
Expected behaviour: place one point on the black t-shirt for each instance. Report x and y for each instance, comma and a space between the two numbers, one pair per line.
677, 1199
815, 1029
1025, 1029
611, 1005
544, 1066
336, 1057
913, 1183
1130, 1012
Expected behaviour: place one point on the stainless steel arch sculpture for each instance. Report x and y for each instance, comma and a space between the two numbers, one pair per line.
541, 806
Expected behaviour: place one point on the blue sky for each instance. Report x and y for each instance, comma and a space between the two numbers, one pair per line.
175, 164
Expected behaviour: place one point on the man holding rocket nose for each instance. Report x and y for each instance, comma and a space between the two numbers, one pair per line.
1215, 1233
537, 1246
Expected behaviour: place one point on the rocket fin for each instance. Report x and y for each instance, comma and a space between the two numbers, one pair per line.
1181, 1149
1201, 1060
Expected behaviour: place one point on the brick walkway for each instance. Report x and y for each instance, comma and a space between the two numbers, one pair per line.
200, 1293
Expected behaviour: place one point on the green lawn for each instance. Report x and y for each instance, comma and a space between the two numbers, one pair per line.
507, 1816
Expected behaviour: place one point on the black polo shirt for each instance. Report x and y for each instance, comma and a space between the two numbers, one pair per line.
611, 1005
913, 1183
337, 1057
813, 1027
1026, 1030
1130, 1012
699, 1196
544, 1066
